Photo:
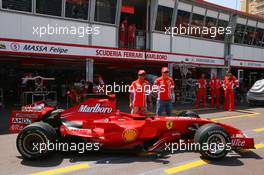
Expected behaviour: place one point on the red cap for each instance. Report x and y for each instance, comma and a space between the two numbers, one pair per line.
141, 72
165, 69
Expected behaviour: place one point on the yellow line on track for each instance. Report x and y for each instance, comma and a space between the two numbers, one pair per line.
64, 170
186, 166
196, 163
251, 114
259, 130
258, 146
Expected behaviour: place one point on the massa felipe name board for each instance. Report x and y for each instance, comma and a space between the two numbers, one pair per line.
83, 51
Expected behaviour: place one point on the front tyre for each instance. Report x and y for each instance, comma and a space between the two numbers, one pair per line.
189, 114
214, 141
32, 140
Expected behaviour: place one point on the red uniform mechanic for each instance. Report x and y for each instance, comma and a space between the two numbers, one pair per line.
123, 33
230, 83
139, 92
215, 84
164, 93
131, 35
201, 92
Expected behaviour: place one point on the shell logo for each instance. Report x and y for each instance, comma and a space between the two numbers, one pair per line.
130, 135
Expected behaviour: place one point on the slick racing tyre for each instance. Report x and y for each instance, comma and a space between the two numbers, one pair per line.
252, 103
214, 141
189, 114
32, 140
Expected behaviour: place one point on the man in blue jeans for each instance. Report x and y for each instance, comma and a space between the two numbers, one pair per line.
165, 86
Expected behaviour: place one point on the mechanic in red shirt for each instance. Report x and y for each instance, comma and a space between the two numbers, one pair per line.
139, 92
230, 83
123, 33
215, 84
131, 35
165, 86
201, 92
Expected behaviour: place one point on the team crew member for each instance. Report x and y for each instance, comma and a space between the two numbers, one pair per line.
99, 84
131, 35
230, 83
165, 86
139, 92
123, 33
215, 85
201, 92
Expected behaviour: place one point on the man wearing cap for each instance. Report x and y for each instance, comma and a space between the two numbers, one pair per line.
230, 83
165, 86
139, 92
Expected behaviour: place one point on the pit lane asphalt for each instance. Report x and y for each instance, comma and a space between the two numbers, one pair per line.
184, 163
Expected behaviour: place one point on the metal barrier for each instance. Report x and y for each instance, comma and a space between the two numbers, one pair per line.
188, 90
41, 93
30, 97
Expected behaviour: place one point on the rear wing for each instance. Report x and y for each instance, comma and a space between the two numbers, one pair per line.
28, 114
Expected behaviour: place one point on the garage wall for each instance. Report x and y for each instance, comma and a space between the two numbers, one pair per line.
186, 45
160, 42
107, 36
20, 26
247, 53
197, 47
167, 3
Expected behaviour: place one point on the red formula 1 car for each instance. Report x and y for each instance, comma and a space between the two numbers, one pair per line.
97, 120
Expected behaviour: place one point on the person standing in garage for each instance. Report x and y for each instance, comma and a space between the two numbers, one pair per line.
215, 84
165, 86
139, 92
123, 33
230, 82
131, 36
201, 92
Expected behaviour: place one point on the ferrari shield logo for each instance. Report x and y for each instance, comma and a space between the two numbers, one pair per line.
169, 124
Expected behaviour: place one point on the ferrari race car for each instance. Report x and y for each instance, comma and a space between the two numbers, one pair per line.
96, 120
256, 94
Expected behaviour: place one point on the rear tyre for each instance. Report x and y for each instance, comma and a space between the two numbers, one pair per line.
251, 102
32, 140
189, 114
214, 141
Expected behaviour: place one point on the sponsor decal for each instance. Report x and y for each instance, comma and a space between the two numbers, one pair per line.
78, 131
15, 46
19, 115
169, 125
95, 109
154, 56
238, 142
130, 135
21, 120
254, 64
2, 46
16, 127
202, 60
